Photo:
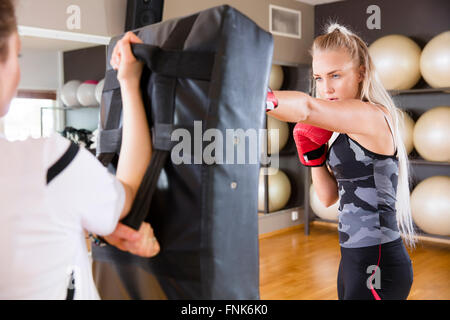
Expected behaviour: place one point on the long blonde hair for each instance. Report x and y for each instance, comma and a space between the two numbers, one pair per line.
372, 90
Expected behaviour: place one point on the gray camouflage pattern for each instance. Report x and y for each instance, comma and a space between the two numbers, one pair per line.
367, 185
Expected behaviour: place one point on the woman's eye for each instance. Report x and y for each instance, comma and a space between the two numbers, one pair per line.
335, 76
318, 78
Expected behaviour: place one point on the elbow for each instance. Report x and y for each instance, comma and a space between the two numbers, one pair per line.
307, 109
327, 204
330, 202
108, 230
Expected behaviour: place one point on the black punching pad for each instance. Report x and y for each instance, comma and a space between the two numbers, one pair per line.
212, 67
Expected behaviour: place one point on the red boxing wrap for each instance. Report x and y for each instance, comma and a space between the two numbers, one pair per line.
311, 144
271, 100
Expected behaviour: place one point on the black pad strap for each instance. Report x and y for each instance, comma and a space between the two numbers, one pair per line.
168, 63
106, 158
165, 102
176, 64
63, 162
179, 34
109, 140
141, 204
111, 81
115, 111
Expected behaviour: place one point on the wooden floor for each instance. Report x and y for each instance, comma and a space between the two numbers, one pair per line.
297, 267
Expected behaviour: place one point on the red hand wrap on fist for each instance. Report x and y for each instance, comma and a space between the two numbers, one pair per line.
311, 144
271, 100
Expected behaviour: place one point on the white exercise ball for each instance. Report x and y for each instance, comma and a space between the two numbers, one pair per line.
432, 134
276, 77
86, 93
279, 189
99, 91
435, 61
69, 93
430, 205
330, 213
397, 61
277, 131
407, 131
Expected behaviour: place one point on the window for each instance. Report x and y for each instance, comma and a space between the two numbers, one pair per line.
29, 117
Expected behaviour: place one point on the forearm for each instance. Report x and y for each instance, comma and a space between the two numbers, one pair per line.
293, 106
325, 185
135, 152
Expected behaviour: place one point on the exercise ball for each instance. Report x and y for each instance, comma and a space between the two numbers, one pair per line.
397, 60
69, 93
274, 126
435, 61
86, 93
431, 134
276, 77
430, 205
406, 130
279, 189
99, 91
330, 213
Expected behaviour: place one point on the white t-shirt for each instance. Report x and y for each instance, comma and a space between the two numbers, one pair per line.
42, 226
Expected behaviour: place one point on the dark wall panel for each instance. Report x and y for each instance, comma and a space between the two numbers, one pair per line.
419, 19
85, 64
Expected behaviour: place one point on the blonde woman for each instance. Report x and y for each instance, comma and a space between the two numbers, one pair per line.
368, 164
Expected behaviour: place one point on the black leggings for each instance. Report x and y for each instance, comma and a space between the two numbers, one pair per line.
391, 281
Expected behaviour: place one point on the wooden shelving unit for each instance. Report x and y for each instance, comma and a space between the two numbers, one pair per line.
419, 91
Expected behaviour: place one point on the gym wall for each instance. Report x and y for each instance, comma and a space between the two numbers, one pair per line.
99, 17
287, 51
39, 70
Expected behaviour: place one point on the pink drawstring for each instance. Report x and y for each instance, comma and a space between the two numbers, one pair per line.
374, 293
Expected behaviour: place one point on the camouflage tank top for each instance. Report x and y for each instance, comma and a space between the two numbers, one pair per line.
367, 185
